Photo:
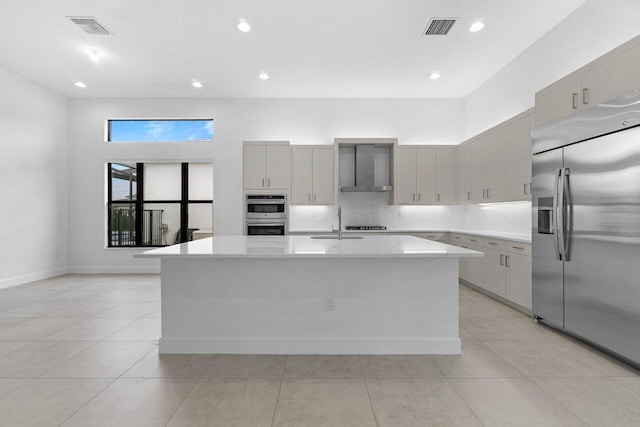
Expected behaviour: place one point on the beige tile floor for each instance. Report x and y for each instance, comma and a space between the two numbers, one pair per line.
82, 351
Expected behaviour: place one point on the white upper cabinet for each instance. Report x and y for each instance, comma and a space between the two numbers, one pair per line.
312, 175
446, 176
426, 175
617, 76
464, 174
488, 167
560, 100
419, 177
266, 165
518, 159
404, 183
605, 78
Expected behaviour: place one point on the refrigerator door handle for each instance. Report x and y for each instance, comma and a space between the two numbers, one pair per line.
560, 223
566, 215
555, 217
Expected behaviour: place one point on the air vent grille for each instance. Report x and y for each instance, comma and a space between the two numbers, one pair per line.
439, 26
90, 25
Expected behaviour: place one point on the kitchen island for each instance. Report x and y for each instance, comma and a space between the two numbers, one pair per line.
300, 295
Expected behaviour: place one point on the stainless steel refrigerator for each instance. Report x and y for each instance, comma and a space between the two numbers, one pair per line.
586, 226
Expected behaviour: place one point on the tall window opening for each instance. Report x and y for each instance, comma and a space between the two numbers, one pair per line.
158, 204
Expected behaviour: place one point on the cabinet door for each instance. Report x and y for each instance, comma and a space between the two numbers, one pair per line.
518, 160
480, 162
301, 176
560, 102
426, 175
494, 171
278, 166
254, 163
518, 278
446, 176
494, 271
474, 267
614, 78
464, 174
323, 176
405, 182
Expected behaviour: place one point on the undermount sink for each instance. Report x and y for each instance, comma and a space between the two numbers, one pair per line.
336, 237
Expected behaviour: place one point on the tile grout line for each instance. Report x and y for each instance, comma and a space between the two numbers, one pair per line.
101, 391
553, 398
275, 407
366, 386
464, 401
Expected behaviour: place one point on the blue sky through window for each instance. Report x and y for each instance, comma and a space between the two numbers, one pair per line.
160, 130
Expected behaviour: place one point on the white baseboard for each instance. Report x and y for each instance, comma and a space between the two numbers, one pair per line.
115, 270
278, 345
19, 280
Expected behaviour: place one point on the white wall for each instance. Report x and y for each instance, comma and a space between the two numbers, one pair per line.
301, 121
595, 28
33, 181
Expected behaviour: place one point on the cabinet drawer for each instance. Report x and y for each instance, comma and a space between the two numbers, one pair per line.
474, 240
456, 238
492, 243
438, 237
518, 248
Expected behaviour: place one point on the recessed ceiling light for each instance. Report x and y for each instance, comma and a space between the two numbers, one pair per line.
244, 26
80, 84
94, 54
476, 26
434, 76
196, 83
264, 76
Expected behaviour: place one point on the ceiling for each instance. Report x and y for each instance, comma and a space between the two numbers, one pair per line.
309, 48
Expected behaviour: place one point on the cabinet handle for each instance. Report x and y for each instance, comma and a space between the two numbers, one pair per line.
585, 96
438, 196
525, 188
518, 247
501, 259
574, 97
418, 196
493, 243
269, 182
468, 195
472, 240
506, 261
488, 195
309, 196
314, 197
414, 197
262, 182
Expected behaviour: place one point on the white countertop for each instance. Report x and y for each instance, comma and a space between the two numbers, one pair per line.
516, 237
372, 246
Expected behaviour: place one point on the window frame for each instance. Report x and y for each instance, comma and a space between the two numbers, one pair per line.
140, 201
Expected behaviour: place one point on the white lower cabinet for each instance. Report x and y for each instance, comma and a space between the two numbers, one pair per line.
505, 269
474, 267
493, 271
518, 279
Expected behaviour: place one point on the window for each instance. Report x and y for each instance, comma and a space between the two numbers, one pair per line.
162, 130
158, 204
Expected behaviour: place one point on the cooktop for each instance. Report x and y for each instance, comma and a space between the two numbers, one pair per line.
365, 227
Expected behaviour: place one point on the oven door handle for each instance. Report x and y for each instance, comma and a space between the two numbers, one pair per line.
266, 224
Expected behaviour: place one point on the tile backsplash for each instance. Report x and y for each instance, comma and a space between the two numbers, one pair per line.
374, 209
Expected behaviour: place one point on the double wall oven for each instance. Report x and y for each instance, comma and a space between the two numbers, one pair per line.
266, 214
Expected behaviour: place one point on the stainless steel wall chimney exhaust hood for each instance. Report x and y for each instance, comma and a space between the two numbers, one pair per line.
365, 171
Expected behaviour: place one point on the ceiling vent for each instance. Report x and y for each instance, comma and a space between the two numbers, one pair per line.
439, 26
90, 25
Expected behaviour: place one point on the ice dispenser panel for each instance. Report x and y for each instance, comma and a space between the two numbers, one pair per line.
545, 215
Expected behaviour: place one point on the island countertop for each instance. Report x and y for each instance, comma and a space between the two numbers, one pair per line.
375, 246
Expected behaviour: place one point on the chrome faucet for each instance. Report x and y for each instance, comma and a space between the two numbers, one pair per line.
339, 230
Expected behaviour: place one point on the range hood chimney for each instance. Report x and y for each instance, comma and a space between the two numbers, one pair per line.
365, 171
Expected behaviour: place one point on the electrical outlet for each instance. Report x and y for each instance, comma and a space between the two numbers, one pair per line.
331, 304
